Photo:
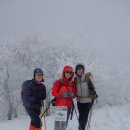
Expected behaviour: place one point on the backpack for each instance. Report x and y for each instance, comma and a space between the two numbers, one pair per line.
53, 101
89, 82
24, 85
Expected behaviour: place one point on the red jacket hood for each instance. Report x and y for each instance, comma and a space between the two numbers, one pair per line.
67, 68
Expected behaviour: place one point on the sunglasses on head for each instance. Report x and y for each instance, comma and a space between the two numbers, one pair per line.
68, 72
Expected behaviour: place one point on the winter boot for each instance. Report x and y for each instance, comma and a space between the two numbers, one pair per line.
31, 127
37, 128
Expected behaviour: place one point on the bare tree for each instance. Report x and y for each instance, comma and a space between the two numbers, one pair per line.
7, 95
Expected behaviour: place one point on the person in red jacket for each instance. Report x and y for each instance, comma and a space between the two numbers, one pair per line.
64, 91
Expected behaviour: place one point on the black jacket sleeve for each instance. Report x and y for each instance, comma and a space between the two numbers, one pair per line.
91, 86
42, 92
92, 89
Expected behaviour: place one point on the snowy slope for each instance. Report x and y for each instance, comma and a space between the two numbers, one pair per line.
106, 118
51, 34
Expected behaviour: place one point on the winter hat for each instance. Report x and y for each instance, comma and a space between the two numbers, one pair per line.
37, 71
79, 66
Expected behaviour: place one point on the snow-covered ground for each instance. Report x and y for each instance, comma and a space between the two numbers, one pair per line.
51, 34
106, 118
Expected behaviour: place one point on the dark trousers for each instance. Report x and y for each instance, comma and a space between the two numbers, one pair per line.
83, 109
34, 115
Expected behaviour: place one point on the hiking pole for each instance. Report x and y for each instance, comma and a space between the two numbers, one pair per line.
72, 109
89, 119
90, 113
76, 112
44, 120
41, 111
46, 109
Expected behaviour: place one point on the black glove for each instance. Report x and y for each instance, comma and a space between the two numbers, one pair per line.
41, 93
94, 94
41, 96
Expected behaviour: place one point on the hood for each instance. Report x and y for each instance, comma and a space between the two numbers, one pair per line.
67, 68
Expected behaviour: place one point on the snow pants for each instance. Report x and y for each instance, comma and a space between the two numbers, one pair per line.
83, 109
34, 115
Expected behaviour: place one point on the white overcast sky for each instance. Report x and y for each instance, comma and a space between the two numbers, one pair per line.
107, 21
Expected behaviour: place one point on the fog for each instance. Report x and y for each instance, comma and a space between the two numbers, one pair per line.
105, 21
53, 33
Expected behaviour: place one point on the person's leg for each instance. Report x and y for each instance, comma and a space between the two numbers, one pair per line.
31, 127
81, 114
61, 125
37, 128
34, 115
57, 125
86, 108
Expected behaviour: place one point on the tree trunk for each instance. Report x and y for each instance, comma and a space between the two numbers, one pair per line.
9, 116
8, 96
15, 113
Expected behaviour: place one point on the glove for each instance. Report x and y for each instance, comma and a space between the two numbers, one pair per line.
94, 94
67, 94
41, 93
63, 95
41, 96
71, 94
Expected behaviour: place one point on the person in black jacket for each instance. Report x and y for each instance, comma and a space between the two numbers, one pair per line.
33, 95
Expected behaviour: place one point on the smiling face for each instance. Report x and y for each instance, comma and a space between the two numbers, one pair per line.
38, 77
80, 71
68, 74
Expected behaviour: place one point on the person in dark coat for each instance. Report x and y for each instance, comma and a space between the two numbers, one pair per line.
32, 96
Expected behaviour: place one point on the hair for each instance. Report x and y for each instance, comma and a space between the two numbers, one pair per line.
79, 66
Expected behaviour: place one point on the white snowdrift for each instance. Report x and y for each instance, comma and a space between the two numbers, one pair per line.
106, 118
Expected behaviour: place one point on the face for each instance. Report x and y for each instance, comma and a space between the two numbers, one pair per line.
39, 77
80, 72
68, 73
